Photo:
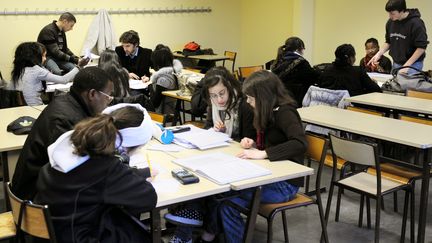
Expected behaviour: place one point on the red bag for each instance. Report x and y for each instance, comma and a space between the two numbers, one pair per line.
191, 46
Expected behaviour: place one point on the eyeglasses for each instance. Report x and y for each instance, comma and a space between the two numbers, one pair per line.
110, 98
222, 94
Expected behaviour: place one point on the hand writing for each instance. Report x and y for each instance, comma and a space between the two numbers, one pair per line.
246, 143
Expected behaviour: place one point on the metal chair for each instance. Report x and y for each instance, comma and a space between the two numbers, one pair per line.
247, 71
31, 219
161, 118
317, 151
368, 185
232, 57
419, 94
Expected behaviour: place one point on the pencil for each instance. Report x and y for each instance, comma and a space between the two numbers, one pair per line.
149, 165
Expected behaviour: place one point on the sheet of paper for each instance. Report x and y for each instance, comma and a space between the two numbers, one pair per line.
138, 84
165, 185
166, 147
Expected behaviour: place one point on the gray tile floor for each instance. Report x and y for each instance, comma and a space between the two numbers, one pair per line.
304, 224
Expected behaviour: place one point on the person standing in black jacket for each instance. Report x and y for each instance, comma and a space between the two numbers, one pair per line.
405, 37
85, 184
133, 57
295, 71
342, 75
88, 96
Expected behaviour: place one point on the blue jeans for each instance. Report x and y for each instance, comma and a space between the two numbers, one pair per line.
232, 221
418, 65
56, 67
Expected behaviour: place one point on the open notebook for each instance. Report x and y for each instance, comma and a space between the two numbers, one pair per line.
222, 168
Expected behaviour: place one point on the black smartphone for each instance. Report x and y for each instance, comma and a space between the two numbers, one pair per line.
180, 129
185, 177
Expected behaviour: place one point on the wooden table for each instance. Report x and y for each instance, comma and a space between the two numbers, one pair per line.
407, 133
281, 170
180, 105
203, 57
394, 102
9, 141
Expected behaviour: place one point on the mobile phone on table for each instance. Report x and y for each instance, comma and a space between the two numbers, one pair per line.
180, 129
184, 176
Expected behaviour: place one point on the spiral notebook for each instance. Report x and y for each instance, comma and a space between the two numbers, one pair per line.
222, 168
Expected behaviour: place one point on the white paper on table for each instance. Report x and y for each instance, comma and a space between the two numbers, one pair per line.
166, 147
139, 161
165, 185
138, 84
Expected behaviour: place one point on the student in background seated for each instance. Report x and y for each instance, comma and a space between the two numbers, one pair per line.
280, 136
133, 57
229, 113
383, 65
164, 78
88, 96
295, 71
109, 62
54, 38
85, 183
342, 75
28, 73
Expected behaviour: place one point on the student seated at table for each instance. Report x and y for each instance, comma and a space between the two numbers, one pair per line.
28, 72
109, 62
342, 75
280, 136
293, 69
384, 65
88, 96
53, 36
164, 78
229, 113
133, 57
91, 192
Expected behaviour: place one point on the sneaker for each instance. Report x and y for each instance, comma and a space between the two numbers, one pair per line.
186, 217
176, 239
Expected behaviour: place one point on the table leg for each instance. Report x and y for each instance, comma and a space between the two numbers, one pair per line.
5, 167
251, 219
156, 229
424, 196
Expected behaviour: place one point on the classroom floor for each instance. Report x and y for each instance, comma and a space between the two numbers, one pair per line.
304, 224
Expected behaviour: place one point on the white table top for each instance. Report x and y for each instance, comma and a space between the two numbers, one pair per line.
397, 102
183, 192
8, 140
393, 130
281, 170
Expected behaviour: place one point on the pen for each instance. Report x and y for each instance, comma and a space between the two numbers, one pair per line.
149, 165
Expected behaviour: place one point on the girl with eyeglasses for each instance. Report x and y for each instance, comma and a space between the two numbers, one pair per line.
229, 113
280, 136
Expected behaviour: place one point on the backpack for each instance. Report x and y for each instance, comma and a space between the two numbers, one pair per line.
401, 82
187, 82
191, 46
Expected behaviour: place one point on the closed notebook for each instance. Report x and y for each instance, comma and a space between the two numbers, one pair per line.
222, 168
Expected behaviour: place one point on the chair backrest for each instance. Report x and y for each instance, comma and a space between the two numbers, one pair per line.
161, 118
419, 94
232, 57
31, 218
317, 151
415, 119
247, 71
354, 151
367, 111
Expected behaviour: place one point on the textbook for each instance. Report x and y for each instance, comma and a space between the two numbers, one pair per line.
201, 138
222, 168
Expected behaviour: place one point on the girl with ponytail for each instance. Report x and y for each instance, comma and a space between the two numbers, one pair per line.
90, 190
